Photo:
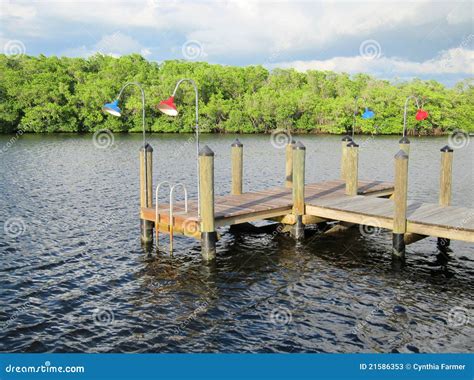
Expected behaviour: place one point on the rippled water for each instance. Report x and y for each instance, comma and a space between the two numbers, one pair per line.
74, 277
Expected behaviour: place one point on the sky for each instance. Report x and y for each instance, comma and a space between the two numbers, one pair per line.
390, 40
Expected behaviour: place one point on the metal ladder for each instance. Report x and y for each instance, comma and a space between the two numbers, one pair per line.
171, 208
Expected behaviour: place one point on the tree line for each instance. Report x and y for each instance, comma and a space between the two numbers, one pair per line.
52, 94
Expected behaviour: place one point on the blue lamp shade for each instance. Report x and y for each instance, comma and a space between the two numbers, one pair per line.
368, 114
112, 108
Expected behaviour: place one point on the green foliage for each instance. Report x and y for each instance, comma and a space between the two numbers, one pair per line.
50, 94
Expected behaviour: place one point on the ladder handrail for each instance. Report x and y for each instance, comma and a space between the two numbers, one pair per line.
171, 211
172, 199
156, 196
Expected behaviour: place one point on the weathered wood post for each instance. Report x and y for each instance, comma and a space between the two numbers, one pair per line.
146, 192
237, 156
352, 163
206, 201
445, 184
404, 145
400, 208
345, 140
289, 164
299, 153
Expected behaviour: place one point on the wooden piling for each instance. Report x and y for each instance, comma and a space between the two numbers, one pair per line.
146, 192
404, 145
299, 153
289, 164
345, 140
237, 156
206, 201
351, 171
445, 185
400, 208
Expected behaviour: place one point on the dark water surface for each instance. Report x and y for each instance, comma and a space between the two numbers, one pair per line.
74, 278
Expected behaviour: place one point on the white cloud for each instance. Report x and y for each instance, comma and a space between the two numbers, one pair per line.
243, 26
452, 61
115, 44
252, 31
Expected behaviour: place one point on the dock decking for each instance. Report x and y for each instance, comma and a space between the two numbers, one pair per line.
256, 205
428, 219
327, 201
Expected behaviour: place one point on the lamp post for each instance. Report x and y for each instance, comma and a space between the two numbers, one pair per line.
420, 115
368, 114
168, 107
146, 156
113, 108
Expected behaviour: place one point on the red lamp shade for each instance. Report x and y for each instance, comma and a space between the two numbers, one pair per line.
421, 114
168, 107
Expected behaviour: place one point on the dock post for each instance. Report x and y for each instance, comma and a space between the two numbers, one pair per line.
345, 140
299, 153
146, 192
445, 184
400, 208
206, 201
404, 145
289, 164
237, 156
351, 170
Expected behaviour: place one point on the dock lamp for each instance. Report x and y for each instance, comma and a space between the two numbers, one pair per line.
114, 110
168, 107
368, 114
421, 114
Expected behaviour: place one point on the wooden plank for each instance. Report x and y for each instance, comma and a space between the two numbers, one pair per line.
347, 216
443, 232
251, 217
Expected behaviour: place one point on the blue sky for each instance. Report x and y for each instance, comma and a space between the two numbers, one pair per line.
391, 40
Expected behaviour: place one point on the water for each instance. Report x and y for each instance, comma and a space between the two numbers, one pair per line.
74, 277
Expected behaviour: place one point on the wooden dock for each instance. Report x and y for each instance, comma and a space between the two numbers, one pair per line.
349, 200
258, 205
